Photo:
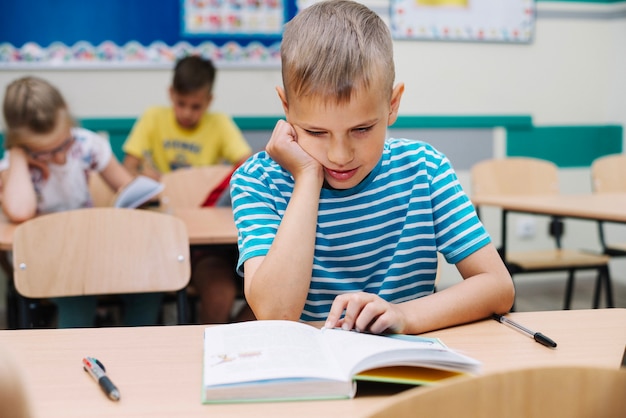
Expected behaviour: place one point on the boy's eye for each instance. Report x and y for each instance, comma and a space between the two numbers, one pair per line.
314, 133
363, 129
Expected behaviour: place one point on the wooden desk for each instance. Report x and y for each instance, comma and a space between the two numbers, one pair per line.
204, 226
208, 225
607, 207
610, 207
158, 369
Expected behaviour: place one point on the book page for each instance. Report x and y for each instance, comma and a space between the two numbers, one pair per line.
263, 350
360, 351
138, 192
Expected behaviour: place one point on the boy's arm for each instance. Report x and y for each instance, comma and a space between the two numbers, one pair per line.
137, 148
276, 286
236, 148
487, 288
132, 164
19, 200
136, 166
115, 174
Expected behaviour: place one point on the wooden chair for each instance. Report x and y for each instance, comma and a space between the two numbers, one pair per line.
100, 251
573, 392
188, 188
608, 175
521, 176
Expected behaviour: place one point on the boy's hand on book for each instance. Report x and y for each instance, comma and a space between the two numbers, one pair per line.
284, 148
365, 312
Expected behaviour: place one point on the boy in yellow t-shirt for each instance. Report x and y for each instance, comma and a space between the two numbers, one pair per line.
186, 135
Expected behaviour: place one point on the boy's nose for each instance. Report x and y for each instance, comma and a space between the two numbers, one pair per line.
340, 153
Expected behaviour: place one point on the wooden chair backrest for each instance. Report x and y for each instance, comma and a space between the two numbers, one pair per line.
573, 392
514, 176
100, 251
608, 174
189, 187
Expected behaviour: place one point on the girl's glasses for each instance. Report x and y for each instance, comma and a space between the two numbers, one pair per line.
48, 155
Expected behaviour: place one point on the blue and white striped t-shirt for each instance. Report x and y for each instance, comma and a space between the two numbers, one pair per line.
379, 237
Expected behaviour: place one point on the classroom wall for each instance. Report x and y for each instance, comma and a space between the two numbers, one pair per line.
571, 74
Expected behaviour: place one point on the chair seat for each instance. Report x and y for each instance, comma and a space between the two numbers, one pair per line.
616, 249
557, 259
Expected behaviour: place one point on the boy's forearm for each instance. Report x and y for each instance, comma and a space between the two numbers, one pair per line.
116, 175
279, 287
473, 299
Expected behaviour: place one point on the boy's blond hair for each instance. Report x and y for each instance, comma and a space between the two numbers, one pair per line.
32, 105
332, 48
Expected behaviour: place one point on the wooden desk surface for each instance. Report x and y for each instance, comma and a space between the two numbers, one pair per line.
158, 369
605, 206
209, 225
204, 226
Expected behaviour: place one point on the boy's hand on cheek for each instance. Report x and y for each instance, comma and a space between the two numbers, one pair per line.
284, 148
365, 312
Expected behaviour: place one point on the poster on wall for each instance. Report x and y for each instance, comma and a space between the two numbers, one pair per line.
463, 20
234, 17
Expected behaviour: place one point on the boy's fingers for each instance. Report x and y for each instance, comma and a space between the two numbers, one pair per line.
335, 312
355, 316
369, 316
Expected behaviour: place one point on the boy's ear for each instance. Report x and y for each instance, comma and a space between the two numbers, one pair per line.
394, 105
283, 99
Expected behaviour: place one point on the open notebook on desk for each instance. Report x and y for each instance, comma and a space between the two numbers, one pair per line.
284, 360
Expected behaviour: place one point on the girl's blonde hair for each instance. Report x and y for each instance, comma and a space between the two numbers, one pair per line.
332, 48
31, 105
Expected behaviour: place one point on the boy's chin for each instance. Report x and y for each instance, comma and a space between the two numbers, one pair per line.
337, 185
187, 125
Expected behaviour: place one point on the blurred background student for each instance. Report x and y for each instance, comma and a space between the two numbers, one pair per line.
45, 169
185, 135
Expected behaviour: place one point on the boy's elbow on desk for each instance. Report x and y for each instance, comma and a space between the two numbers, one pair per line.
506, 296
273, 311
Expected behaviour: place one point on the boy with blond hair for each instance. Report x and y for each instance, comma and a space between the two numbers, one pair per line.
339, 224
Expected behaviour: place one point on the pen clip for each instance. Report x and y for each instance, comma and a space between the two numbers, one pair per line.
99, 364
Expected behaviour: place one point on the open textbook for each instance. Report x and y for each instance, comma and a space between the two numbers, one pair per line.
137, 192
285, 360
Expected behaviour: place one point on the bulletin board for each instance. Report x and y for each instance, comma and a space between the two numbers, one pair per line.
141, 33
463, 20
